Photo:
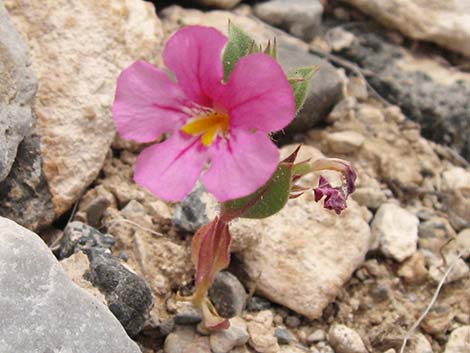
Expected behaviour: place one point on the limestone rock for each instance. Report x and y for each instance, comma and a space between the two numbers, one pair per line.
345, 340
305, 253
301, 18
345, 141
446, 23
78, 49
18, 85
325, 87
185, 340
44, 305
396, 230
459, 340
236, 335
261, 332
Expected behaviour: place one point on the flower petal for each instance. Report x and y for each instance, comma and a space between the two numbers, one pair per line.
240, 165
258, 95
194, 54
170, 169
334, 198
147, 103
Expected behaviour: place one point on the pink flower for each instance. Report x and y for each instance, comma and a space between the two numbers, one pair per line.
217, 129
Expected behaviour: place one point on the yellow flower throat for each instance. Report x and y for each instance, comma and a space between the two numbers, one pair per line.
208, 126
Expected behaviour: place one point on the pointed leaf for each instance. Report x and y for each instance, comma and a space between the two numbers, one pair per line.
267, 200
300, 81
238, 46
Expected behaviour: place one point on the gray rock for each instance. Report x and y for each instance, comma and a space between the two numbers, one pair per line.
128, 296
24, 194
236, 335
434, 96
324, 91
191, 214
292, 321
258, 304
228, 295
187, 314
46, 312
18, 86
301, 18
79, 236
283, 335
185, 340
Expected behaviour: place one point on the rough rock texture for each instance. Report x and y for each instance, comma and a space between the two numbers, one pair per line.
459, 340
292, 53
24, 194
345, 340
17, 88
78, 49
236, 335
396, 231
301, 18
43, 305
228, 295
304, 269
128, 296
444, 22
428, 92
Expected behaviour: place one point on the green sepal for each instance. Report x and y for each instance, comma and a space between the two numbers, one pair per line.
267, 200
239, 45
299, 79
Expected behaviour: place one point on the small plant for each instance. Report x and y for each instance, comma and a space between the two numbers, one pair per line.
230, 94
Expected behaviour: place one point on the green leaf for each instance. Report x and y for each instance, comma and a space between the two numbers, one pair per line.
299, 79
239, 45
267, 200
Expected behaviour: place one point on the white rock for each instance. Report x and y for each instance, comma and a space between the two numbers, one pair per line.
459, 340
396, 230
444, 22
345, 141
46, 311
455, 178
78, 49
345, 340
225, 340
299, 17
221, 4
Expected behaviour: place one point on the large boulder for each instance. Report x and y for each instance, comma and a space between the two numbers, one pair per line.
46, 311
78, 49
444, 22
17, 88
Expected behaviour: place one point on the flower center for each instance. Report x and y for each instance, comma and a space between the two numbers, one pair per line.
208, 126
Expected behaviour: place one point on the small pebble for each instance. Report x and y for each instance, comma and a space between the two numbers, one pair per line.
316, 336
258, 304
283, 335
292, 321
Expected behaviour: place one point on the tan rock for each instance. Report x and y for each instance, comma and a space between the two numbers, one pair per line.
261, 332
459, 340
413, 270
345, 141
444, 22
345, 340
305, 253
78, 49
75, 266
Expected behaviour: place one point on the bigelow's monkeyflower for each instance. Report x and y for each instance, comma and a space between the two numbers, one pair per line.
228, 96
217, 129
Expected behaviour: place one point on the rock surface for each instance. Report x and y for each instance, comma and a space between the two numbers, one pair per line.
44, 305
78, 49
128, 296
396, 230
236, 335
24, 194
446, 23
325, 87
345, 340
429, 92
304, 269
222, 4
228, 295
459, 340
17, 88
301, 18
